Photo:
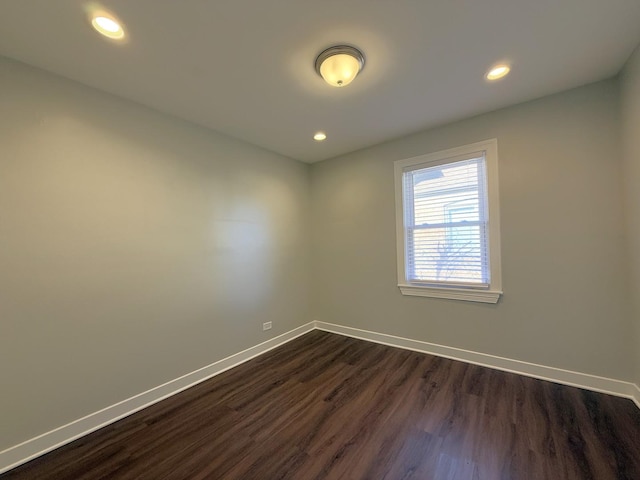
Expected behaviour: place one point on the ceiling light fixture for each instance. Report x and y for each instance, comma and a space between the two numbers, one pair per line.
497, 72
339, 65
107, 26
320, 136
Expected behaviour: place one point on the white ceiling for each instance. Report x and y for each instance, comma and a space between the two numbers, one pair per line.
245, 67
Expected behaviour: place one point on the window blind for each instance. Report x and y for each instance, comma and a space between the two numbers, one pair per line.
446, 223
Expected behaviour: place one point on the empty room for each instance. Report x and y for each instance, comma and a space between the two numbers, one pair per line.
320, 240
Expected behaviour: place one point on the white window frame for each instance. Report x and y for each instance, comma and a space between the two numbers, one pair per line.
468, 293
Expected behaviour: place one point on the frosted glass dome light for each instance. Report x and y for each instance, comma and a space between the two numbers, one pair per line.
339, 65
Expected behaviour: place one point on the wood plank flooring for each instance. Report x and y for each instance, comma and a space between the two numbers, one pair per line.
330, 407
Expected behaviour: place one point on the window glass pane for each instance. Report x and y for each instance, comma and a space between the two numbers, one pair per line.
445, 223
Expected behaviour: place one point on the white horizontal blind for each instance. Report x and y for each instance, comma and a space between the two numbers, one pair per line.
446, 223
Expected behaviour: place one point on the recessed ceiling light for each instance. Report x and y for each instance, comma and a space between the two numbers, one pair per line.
339, 65
107, 26
498, 72
320, 136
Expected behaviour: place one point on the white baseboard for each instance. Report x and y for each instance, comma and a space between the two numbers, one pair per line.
610, 386
636, 395
25, 451
30, 449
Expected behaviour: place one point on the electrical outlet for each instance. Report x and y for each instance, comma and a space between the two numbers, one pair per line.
266, 326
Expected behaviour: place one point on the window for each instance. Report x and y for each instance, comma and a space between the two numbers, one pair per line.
448, 225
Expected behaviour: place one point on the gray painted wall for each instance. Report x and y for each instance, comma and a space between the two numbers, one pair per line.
134, 248
564, 268
630, 103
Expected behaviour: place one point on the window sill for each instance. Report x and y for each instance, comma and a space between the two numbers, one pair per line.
468, 295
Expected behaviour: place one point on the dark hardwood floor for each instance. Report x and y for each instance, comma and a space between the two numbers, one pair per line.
331, 407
